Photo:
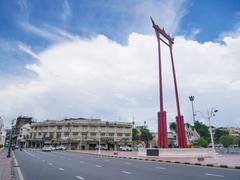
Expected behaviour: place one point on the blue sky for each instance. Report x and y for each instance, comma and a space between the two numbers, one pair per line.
34, 34
115, 19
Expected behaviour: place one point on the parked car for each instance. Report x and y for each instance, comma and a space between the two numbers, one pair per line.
46, 148
53, 148
101, 148
61, 147
125, 148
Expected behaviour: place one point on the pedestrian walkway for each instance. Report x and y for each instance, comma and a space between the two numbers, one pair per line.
5, 166
220, 160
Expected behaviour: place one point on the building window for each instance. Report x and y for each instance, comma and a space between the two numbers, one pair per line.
75, 133
92, 134
84, 133
102, 134
127, 134
119, 134
51, 134
76, 126
111, 134
66, 134
44, 134
59, 127
59, 135
39, 134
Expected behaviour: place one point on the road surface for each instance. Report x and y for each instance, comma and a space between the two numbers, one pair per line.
59, 165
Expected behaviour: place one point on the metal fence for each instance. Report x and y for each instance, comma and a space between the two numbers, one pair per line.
230, 150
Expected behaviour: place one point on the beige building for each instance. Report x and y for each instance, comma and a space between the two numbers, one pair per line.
80, 133
24, 135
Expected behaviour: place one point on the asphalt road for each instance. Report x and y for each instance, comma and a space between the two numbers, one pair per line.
57, 165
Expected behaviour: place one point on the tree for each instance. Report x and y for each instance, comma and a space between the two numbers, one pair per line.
145, 136
135, 134
173, 126
201, 142
237, 141
202, 130
218, 134
227, 140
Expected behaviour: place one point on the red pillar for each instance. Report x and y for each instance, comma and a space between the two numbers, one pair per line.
182, 142
162, 117
162, 130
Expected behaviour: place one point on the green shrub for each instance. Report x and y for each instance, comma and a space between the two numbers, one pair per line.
227, 140
201, 142
1, 145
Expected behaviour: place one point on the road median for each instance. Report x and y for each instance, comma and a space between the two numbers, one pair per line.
213, 162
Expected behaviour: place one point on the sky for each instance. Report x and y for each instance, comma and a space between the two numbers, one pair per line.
98, 59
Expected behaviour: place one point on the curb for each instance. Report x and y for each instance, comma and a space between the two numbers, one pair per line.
160, 160
17, 174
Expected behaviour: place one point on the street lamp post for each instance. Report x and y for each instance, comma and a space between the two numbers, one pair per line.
191, 98
210, 114
10, 141
99, 146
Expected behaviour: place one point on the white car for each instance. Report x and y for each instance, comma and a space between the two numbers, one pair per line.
53, 148
125, 148
61, 147
46, 148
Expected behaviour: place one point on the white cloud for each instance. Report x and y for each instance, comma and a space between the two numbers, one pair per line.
23, 47
166, 13
48, 32
194, 33
98, 77
66, 11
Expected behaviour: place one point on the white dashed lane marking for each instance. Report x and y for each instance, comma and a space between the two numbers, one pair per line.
61, 169
81, 162
160, 167
79, 177
98, 166
126, 172
215, 175
127, 163
50, 164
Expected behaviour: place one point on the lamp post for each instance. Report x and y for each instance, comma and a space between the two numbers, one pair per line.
210, 114
10, 141
191, 98
99, 146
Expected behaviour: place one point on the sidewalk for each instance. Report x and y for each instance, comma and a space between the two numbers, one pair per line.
224, 161
6, 170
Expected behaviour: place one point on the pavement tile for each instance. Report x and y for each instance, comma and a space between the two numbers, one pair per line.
5, 166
